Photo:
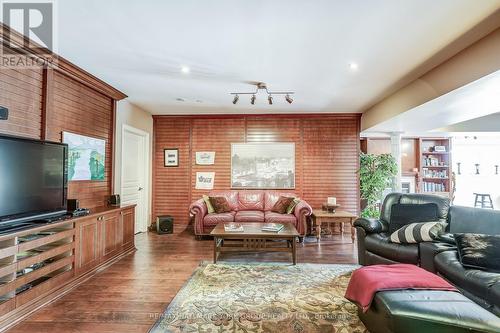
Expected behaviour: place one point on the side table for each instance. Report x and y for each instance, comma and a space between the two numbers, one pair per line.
321, 216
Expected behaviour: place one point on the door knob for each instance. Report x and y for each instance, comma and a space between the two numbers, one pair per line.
140, 189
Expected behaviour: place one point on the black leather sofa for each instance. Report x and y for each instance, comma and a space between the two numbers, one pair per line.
439, 257
481, 286
373, 235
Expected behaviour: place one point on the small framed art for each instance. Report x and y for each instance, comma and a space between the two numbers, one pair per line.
171, 157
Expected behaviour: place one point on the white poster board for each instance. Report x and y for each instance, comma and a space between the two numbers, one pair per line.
205, 180
205, 157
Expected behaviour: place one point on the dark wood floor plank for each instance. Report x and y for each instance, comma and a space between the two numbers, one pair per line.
130, 295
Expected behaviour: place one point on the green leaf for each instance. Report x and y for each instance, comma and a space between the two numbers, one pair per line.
375, 174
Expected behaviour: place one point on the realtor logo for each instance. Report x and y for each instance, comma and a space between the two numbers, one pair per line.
34, 20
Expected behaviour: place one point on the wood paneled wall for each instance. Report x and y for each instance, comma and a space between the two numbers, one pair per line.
21, 92
44, 102
326, 155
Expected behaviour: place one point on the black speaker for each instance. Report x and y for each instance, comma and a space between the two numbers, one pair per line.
73, 204
114, 200
4, 113
165, 224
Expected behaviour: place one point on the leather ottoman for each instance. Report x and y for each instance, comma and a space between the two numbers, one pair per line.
429, 311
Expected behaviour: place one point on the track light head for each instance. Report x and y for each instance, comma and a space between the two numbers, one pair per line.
270, 99
288, 99
236, 98
252, 100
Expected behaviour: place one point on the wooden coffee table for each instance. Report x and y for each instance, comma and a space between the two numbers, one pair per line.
253, 239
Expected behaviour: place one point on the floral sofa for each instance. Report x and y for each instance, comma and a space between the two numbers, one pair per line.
248, 206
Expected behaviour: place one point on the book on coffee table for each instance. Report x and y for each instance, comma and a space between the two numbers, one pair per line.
233, 227
273, 227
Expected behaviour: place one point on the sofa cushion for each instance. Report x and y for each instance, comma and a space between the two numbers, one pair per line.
403, 214
418, 232
220, 205
214, 219
272, 217
442, 203
484, 285
474, 220
210, 208
249, 216
381, 245
251, 200
282, 204
479, 251
231, 197
271, 197
292, 206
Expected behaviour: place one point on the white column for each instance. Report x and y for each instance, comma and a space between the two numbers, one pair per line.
396, 153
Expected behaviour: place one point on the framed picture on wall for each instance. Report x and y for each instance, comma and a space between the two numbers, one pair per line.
263, 165
86, 157
171, 157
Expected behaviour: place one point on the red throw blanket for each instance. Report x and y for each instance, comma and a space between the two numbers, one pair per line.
366, 281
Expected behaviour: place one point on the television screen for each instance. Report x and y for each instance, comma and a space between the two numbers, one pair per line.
33, 178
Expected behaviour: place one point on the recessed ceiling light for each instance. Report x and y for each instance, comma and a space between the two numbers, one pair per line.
353, 66
185, 69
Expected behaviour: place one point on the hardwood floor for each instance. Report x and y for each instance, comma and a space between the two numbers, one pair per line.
130, 295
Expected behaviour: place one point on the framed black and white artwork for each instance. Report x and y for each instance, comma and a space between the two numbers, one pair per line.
263, 165
171, 157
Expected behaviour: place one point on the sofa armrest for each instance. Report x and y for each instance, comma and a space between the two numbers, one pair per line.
301, 212
447, 238
198, 209
427, 252
371, 226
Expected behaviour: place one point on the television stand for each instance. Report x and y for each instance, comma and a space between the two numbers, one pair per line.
40, 260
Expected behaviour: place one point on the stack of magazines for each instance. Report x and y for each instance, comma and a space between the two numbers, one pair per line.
273, 227
233, 227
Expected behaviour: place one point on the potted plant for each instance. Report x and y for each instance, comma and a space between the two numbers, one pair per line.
375, 175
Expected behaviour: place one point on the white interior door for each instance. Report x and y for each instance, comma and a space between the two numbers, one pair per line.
134, 182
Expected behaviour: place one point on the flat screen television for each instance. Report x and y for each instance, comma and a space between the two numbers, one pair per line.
33, 179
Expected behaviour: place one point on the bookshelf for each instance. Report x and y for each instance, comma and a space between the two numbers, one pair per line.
435, 166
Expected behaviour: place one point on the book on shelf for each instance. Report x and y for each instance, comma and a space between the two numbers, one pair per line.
273, 227
441, 174
233, 227
433, 187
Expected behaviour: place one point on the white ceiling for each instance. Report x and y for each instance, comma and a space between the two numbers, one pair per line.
489, 123
451, 112
139, 47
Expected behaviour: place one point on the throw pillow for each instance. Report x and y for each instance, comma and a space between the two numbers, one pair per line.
294, 203
479, 251
220, 204
418, 232
282, 205
403, 214
210, 208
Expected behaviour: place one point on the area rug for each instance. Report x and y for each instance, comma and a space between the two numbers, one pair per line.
263, 298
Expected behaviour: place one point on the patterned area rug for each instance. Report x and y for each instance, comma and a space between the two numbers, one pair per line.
263, 298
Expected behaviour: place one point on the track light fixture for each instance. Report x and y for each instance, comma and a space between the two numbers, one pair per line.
263, 86
252, 100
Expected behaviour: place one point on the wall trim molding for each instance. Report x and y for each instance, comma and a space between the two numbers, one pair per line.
57, 62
